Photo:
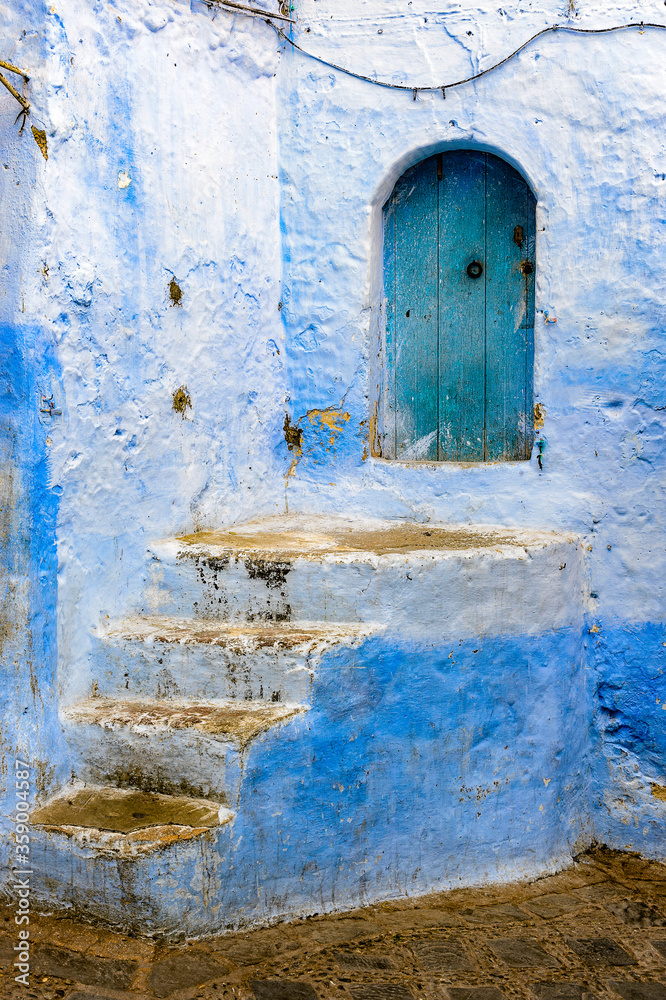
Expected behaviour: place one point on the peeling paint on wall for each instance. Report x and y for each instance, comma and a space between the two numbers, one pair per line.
182, 401
331, 422
39, 136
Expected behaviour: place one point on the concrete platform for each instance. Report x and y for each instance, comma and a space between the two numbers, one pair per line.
168, 746
454, 579
387, 708
312, 537
164, 657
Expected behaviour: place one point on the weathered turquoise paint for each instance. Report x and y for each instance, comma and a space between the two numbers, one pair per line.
460, 349
462, 315
416, 318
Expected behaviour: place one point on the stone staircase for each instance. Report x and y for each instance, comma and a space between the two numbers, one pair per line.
252, 643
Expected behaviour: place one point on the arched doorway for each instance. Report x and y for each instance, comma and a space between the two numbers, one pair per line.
459, 263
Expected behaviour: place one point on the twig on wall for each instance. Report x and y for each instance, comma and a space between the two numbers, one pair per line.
243, 8
25, 107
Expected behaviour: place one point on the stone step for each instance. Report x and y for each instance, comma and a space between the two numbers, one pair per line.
168, 747
465, 758
448, 694
459, 580
207, 659
126, 822
101, 851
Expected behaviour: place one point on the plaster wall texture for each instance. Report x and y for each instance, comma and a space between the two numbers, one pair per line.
191, 145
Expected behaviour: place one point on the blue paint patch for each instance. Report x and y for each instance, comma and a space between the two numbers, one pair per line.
28, 569
629, 664
418, 767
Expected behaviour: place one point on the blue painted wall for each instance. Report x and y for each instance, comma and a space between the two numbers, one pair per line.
28, 573
420, 765
29, 505
29, 370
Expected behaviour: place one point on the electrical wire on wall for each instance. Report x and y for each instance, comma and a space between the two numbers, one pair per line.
238, 8
443, 87
432, 88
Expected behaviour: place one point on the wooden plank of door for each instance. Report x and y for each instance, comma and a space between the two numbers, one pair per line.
415, 313
387, 429
509, 318
461, 306
529, 250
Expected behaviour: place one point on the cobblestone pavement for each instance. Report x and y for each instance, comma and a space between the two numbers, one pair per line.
596, 931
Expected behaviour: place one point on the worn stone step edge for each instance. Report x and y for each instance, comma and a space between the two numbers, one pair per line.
231, 721
238, 638
126, 822
334, 539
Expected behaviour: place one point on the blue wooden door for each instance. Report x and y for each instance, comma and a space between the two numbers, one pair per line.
459, 241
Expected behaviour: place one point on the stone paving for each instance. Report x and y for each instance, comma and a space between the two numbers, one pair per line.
596, 931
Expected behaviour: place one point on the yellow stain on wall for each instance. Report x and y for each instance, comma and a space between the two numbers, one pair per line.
539, 416
332, 419
375, 444
39, 135
659, 792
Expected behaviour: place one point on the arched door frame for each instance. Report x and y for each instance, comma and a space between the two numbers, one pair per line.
382, 192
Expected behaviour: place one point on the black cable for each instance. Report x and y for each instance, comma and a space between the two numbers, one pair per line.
476, 76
